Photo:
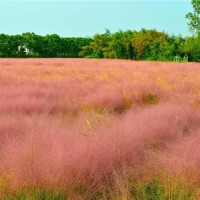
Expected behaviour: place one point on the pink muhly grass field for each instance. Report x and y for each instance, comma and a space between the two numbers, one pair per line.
84, 125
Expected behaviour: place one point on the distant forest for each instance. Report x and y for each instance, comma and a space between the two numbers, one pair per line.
134, 45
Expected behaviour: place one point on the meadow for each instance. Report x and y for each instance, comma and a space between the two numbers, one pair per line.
86, 129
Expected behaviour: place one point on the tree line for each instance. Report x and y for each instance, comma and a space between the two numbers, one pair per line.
135, 45
48, 46
142, 45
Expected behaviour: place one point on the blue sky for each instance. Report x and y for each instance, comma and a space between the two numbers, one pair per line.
85, 18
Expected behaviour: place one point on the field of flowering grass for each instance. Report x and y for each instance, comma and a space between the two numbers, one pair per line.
84, 129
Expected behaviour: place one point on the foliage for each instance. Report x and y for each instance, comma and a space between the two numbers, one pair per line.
136, 45
41, 46
194, 17
192, 48
133, 45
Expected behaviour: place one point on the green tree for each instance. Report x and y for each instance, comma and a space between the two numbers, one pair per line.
192, 48
31, 41
97, 47
115, 47
147, 44
130, 51
4, 45
194, 23
52, 45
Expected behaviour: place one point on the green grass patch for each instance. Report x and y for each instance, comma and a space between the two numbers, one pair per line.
36, 194
151, 99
